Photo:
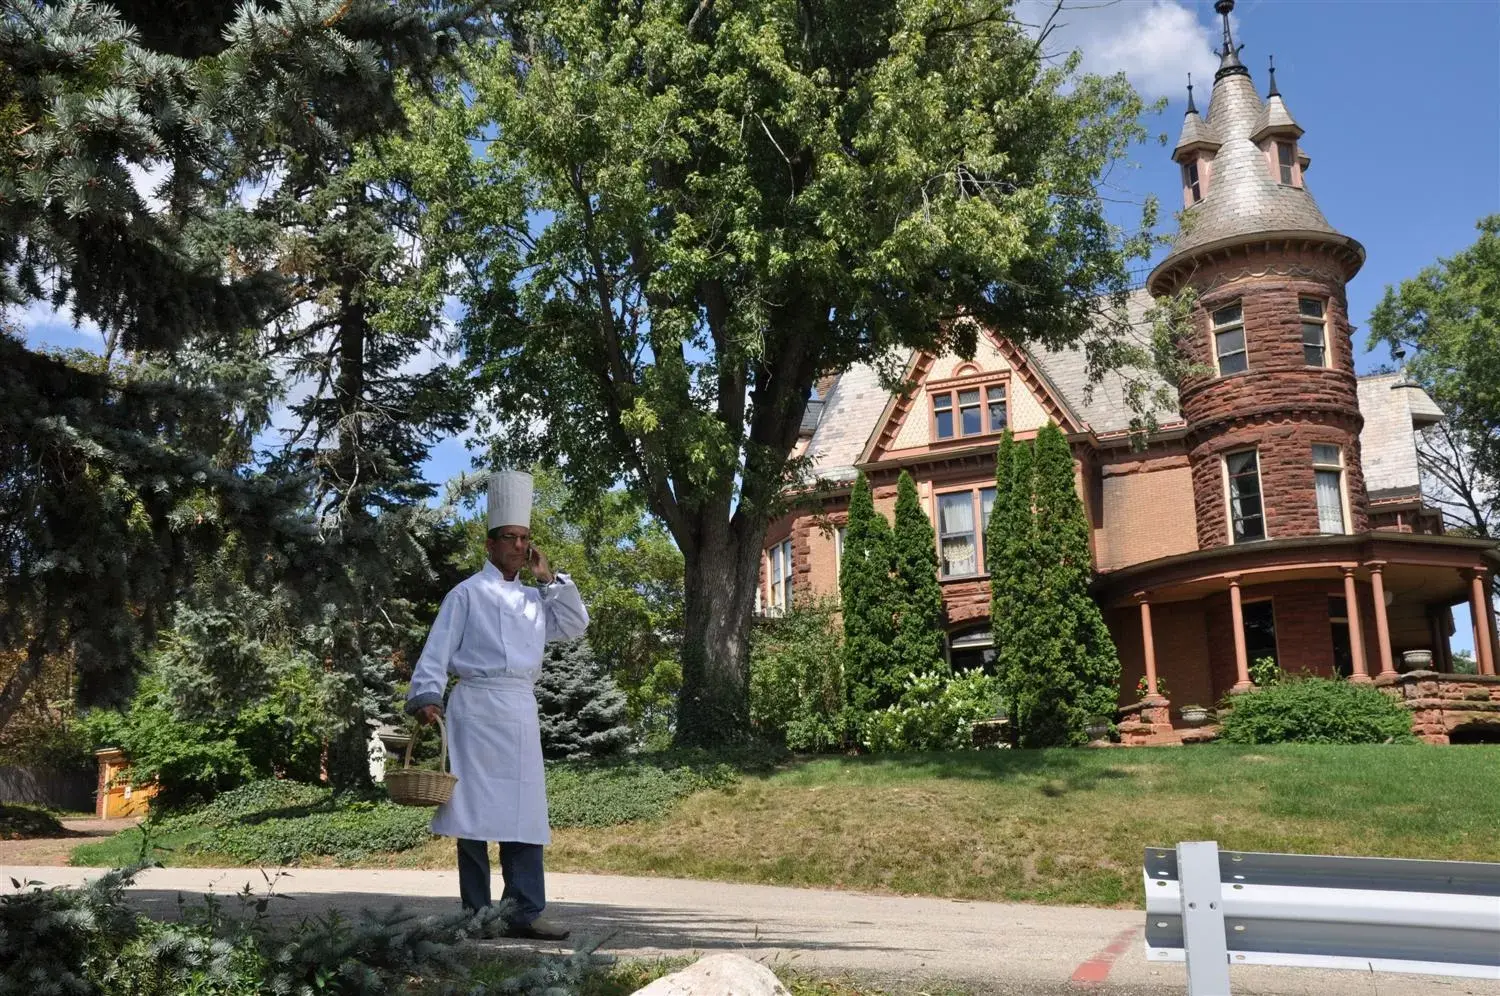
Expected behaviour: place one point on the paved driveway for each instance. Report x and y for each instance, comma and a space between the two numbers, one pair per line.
994, 948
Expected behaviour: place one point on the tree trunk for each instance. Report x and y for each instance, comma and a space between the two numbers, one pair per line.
714, 706
19, 683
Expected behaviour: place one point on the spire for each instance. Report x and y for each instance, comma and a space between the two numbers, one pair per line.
1196, 134
1274, 92
1229, 56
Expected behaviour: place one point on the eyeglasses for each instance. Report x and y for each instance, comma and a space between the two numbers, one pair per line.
512, 538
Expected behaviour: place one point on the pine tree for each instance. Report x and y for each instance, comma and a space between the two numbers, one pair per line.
918, 645
118, 475
1071, 671
1011, 556
581, 710
867, 595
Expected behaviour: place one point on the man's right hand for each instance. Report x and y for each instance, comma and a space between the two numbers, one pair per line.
427, 715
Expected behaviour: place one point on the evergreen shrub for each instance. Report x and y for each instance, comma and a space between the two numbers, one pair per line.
89, 942
581, 710
611, 794
1315, 711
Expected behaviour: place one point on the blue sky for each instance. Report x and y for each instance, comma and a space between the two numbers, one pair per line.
1400, 100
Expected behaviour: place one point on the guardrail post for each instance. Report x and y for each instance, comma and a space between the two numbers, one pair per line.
1203, 919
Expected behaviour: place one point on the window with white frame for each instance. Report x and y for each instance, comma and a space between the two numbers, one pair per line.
1229, 339
781, 576
970, 411
1328, 468
1314, 331
838, 549
1191, 183
786, 559
963, 517
1247, 517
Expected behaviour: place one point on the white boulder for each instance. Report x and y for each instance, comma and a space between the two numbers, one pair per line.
718, 975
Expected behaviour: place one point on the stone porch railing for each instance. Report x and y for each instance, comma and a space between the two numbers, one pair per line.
1444, 703
1148, 723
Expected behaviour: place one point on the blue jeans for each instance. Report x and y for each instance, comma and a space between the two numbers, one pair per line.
521, 868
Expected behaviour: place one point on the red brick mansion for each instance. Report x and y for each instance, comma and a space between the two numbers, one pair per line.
1276, 513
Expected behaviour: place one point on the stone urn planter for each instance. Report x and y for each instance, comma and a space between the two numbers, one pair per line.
1098, 728
1416, 660
1194, 715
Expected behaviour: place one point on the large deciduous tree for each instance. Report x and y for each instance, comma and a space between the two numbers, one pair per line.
1448, 318
688, 212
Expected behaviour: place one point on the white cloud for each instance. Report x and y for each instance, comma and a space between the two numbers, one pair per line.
43, 325
1156, 43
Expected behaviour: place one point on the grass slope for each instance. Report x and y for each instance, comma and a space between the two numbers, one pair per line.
1057, 826
1063, 826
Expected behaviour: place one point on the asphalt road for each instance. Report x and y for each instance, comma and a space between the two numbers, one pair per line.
992, 948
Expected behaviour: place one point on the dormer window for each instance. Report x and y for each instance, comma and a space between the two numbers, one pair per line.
980, 410
1190, 182
1286, 163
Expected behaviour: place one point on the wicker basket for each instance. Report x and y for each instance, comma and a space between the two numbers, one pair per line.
417, 787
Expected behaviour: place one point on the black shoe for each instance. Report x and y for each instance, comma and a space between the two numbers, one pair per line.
537, 930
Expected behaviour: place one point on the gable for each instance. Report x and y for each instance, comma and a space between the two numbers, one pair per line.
906, 427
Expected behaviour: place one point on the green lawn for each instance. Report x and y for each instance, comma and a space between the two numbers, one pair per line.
1063, 826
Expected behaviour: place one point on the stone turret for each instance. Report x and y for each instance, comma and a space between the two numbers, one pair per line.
1273, 423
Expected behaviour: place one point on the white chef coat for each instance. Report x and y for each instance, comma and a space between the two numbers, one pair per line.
491, 634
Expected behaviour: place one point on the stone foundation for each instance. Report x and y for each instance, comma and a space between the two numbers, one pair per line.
1443, 704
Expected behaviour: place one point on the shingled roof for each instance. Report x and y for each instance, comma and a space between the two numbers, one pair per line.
1392, 410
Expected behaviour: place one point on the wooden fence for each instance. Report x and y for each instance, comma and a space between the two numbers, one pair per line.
67, 790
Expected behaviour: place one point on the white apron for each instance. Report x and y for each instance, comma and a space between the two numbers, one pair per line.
492, 634
495, 747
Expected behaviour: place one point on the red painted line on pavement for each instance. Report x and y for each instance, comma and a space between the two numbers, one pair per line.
1097, 968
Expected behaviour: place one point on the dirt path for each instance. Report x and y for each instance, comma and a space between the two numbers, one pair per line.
46, 851
994, 949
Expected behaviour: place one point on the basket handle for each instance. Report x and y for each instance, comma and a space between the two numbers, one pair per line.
443, 739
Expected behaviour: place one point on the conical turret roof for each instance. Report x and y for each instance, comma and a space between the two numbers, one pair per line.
1243, 199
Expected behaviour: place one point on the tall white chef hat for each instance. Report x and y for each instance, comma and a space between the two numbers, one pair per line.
510, 499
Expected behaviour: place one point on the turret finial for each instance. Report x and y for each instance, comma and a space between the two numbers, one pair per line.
1192, 108
1274, 92
1229, 56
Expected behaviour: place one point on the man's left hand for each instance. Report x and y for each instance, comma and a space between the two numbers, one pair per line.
540, 569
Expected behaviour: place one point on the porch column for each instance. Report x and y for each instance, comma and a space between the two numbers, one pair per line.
1241, 658
1356, 630
1479, 607
1489, 606
1439, 640
1149, 641
1382, 623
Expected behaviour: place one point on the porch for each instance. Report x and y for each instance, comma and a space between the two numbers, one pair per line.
1372, 608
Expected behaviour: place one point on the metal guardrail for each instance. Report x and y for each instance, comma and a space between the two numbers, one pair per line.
1213, 909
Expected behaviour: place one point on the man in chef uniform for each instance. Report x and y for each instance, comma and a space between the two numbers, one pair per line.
490, 632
